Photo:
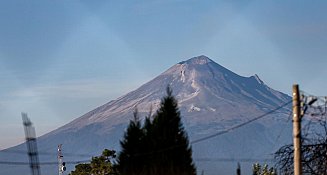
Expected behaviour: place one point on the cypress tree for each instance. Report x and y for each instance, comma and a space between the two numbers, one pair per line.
160, 147
129, 162
173, 155
148, 153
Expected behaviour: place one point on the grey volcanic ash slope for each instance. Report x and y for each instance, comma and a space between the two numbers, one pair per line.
211, 98
201, 87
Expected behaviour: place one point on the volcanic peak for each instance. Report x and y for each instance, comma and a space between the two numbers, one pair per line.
202, 59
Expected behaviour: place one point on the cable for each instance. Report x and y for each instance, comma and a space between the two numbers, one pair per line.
281, 131
233, 160
196, 159
46, 153
239, 125
68, 162
43, 163
13, 163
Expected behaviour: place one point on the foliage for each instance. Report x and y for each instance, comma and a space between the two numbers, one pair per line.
257, 169
160, 146
128, 161
314, 150
101, 165
82, 169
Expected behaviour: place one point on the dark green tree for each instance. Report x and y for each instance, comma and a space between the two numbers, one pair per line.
172, 152
129, 159
101, 165
160, 147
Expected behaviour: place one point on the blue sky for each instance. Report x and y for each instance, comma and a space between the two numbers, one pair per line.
61, 59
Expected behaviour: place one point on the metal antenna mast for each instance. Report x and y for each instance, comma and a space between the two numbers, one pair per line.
31, 145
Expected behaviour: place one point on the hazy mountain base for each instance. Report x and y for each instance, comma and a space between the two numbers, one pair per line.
254, 141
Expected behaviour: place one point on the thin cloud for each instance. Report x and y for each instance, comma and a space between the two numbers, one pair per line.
74, 89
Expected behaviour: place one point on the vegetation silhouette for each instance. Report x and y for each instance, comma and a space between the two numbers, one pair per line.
101, 165
160, 146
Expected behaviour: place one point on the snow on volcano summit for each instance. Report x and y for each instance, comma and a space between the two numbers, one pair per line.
200, 86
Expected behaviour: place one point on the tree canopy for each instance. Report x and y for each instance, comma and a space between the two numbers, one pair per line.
158, 147
101, 165
257, 169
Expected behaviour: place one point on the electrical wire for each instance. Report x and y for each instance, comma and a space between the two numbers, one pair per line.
233, 160
281, 131
239, 125
46, 153
43, 163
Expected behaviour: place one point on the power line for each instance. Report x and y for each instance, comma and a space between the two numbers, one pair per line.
282, 131
232, 160
196, 159
67, 162
13, 163
239, 125
43, 163
46, 153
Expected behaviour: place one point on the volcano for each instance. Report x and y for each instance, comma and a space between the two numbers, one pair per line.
211, 99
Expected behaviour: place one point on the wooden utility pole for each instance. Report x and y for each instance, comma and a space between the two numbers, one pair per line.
297, 130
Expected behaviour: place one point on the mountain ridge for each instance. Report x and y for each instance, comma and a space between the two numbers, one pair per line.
178, 72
